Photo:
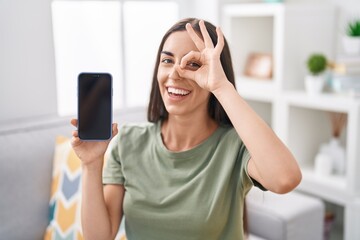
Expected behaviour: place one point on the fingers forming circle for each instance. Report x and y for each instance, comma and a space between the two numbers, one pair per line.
207, 39
199, 43
220, 43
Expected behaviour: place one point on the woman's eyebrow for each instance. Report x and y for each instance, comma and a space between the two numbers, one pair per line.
167, 53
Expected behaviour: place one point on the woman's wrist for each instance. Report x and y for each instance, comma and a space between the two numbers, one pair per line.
94, 165
223, 89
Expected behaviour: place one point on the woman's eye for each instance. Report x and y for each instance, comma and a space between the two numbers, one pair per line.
193, 65
166, 60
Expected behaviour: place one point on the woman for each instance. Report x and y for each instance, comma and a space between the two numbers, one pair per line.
185, 175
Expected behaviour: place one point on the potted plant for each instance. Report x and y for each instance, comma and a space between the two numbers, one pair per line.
351, 41
315, 79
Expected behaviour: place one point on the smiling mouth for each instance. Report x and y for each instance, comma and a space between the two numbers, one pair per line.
176, 92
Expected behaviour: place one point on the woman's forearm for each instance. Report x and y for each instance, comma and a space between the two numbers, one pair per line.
272, 164
94, 214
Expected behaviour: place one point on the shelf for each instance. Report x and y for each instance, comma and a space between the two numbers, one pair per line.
331, 188
324, 101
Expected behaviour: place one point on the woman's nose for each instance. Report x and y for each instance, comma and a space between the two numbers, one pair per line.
174, 74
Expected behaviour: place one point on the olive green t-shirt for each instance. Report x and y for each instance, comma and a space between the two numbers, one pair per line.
194, 194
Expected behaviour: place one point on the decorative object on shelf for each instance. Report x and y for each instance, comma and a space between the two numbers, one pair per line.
323, 164
351, 41
338, 122
331, 156
315, 80
345, 76
259, 65
337, 152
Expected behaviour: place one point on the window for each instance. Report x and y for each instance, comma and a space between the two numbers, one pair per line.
86, 38
119, 37
142, 38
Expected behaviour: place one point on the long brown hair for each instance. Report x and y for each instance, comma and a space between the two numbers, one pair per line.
156, 108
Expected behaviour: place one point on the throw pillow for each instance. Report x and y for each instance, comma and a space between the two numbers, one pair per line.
65, 199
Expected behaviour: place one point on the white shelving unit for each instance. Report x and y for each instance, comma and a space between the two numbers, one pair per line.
291, 33
308, 125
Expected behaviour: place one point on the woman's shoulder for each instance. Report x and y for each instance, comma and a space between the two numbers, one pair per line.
134, 135
229, 134
138, 129
228, 130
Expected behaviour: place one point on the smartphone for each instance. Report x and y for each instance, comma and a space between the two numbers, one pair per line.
94, 106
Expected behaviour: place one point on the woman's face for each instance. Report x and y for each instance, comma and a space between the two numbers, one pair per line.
181, 96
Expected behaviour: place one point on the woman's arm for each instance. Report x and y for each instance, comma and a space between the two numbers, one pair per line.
101, 209
271, 163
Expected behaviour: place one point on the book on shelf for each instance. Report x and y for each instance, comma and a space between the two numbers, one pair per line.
345, 75
346, 65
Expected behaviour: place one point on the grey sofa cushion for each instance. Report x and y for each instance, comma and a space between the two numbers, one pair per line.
26, 156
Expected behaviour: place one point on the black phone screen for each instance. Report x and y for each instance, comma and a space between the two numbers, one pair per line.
94, 106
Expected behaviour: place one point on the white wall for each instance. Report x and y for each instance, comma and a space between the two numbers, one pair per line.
27, 67
208, 10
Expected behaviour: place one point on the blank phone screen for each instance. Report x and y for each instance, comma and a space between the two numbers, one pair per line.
94, 106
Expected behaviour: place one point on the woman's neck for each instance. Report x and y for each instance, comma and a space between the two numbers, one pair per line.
181, 134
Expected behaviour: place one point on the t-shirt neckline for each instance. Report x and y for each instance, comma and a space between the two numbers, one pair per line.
187, 153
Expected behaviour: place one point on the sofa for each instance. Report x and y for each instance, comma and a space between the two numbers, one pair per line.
26, 163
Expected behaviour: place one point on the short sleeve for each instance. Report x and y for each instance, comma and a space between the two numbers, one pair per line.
113, 173
245, 178
248, 181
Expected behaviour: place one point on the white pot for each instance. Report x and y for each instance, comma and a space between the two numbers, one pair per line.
336, 153
314, 84
351, 45
323, 164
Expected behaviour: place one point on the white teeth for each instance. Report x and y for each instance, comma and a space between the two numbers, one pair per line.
178, 91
